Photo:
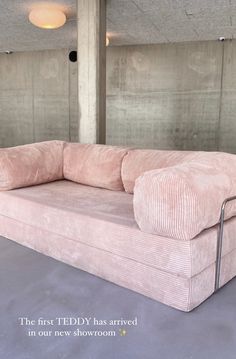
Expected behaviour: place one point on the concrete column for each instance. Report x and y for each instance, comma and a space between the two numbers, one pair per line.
91, 16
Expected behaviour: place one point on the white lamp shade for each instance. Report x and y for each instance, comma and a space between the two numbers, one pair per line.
47, 18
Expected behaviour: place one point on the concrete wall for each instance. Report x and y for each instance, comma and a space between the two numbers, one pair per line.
173, 96
38, 97
227, 126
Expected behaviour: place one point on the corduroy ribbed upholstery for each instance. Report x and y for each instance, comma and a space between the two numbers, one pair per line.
136, 162
32, 164
181, 201
94, 165
172, 257
94, 229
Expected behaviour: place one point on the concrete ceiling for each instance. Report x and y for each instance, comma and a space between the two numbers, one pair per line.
129, 22
18, 34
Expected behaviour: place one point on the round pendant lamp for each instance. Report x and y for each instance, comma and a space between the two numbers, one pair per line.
47, 18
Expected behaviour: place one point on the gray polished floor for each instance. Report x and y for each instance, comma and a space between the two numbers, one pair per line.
34, 286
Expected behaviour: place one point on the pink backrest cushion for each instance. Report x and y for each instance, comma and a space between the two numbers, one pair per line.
139, 161
94, 165
31, 164
183, 200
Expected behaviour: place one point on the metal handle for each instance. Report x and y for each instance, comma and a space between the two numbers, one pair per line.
220, 241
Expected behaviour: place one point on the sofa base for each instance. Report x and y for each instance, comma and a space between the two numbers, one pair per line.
179, 292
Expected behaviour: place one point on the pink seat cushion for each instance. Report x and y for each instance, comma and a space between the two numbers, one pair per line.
94, 165
105, 220
31, 164
139, 161
181, 201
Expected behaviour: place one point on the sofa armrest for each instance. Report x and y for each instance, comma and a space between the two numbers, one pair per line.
32, 164
181, 201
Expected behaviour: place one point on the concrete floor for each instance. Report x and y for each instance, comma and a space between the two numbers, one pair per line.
34, 285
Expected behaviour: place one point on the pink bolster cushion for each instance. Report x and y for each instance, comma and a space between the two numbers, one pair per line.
94, 165
139, 161
182, 201
31, 164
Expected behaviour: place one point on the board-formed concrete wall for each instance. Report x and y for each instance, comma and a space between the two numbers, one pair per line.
227, 126
173, 96
38, 97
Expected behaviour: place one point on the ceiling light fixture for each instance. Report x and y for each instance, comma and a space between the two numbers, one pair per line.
47, 18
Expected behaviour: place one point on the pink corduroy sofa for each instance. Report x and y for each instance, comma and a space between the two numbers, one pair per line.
144, 219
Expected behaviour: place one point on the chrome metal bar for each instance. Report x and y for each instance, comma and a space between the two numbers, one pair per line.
220, 241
